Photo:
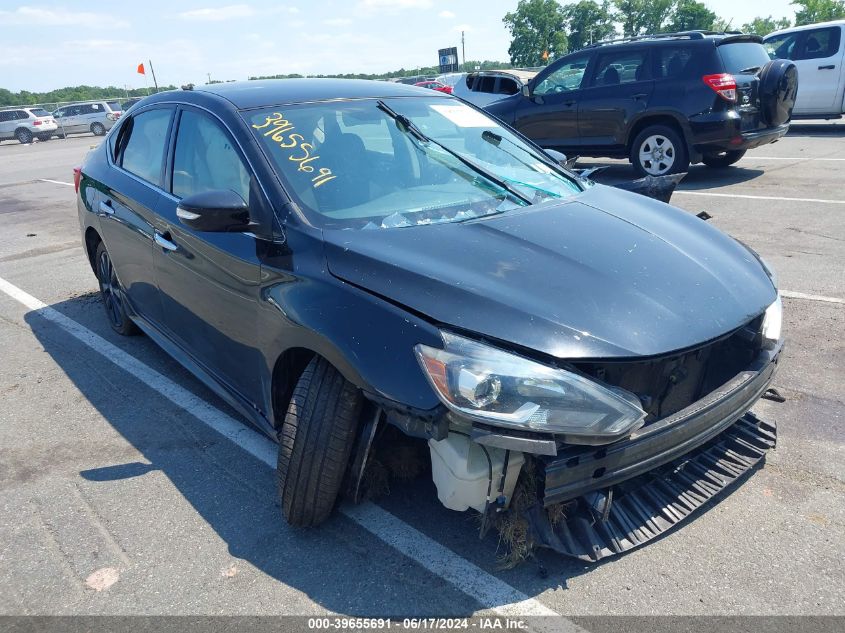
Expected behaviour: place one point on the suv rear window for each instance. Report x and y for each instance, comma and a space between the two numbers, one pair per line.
114, 105
739, 56
39, 112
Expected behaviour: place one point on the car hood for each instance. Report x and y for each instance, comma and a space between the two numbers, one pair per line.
606, 273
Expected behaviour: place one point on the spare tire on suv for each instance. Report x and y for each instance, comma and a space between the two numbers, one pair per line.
778, 88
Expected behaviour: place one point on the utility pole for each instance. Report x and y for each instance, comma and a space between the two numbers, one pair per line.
152, 70
463, 52
209, 77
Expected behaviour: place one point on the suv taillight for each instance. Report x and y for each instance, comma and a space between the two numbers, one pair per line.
723, 84
77, 176
36, 122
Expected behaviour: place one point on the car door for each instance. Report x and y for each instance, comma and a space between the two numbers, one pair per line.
618, 89
72, 120
818, 55
209, 282
549, 116
127, 204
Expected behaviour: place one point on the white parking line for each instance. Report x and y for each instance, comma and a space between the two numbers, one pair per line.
465, 576
800, 295
747, 197
56, 182
753, 157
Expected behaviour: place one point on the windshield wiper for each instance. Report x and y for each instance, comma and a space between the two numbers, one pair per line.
496, 140
406, 125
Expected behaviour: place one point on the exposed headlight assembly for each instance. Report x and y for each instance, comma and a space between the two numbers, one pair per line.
493, 386
772, 322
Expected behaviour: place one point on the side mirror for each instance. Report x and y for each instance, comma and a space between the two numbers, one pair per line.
216, 211
559, 157
526, 90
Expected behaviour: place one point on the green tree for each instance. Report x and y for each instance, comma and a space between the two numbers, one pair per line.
723, 24
764, 26
639, 17
537, 27
689, 15
587, 22
812, 11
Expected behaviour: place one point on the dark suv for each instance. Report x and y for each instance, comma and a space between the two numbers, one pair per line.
663, 101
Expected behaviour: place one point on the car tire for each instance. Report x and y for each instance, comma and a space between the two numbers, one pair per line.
98, 129
659, 150
777, 91
23, 135
722, 159
315, 441
62, 136
112, 294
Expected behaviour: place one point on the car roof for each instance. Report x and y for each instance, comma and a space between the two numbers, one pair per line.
245, 95
806, 27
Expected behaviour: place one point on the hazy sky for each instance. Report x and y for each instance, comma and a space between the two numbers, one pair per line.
45, 46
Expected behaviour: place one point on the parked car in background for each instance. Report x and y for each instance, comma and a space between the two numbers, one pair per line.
486, 86
130, 102
818, 51
97, 117
25, 124
433, 274
435, 85
662, 101
450, 79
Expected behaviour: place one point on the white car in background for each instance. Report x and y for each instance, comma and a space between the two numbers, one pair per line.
92, 116
486, 86
818, 50
25, 124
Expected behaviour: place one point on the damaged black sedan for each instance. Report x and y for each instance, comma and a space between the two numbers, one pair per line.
338, 257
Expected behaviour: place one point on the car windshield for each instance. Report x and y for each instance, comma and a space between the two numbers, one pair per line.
402, 162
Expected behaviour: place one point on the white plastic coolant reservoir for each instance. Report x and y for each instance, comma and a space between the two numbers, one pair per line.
460, 472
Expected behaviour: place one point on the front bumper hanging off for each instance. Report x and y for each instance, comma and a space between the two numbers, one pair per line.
648, 505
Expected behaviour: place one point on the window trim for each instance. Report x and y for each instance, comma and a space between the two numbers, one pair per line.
647, 63
541, 76
117, 163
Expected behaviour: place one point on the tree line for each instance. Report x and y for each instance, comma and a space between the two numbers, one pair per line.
70, 94
542, 30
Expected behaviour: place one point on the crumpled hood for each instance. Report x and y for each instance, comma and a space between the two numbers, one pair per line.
607, 273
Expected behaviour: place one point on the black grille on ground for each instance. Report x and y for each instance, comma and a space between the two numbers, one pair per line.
668, 384
645, 507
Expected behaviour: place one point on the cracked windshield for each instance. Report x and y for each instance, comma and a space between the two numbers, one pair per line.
372, 164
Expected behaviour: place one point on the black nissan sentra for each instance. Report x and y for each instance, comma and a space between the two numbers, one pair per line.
335, 258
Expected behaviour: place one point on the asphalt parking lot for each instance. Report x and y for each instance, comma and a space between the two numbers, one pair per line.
126, 487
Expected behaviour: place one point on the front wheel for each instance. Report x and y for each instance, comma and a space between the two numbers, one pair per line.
659, 150
98, 129
722, 159
24, 136
112, 294
315, 441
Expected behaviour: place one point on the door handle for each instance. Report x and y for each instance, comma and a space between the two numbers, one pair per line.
828, 67
163, 240
106, 208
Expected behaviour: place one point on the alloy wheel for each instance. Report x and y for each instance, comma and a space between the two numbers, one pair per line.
110, 290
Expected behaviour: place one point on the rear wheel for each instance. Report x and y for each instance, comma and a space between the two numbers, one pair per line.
98, 129
315, 441
112, 294
722, 159
23, 135
659, 150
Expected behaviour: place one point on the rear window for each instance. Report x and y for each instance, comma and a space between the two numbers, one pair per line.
114, 105
739, 56
39, 112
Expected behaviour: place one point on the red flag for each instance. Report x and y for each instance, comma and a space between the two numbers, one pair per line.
141, 70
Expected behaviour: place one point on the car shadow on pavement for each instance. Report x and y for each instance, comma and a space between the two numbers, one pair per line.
339, 565
816, 129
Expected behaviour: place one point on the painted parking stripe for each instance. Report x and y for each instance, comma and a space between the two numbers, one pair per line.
800, 295
489, 591
747, 197
56, 182
798, 158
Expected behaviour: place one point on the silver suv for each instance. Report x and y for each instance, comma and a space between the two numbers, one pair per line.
25, 124
91, 116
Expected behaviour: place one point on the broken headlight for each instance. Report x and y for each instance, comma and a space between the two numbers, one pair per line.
772, 322
499, 388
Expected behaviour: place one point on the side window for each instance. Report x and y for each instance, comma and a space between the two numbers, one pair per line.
59, 113
142, 153
75, 111
507, 86
620, 67
673, 62
564, 78
21, 115
206, 159
484, 84
782, 46
5, 116
820, 43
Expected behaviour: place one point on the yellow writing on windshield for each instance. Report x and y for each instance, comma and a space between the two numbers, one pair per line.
280, 131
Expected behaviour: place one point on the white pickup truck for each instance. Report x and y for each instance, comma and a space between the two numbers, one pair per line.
818, 50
